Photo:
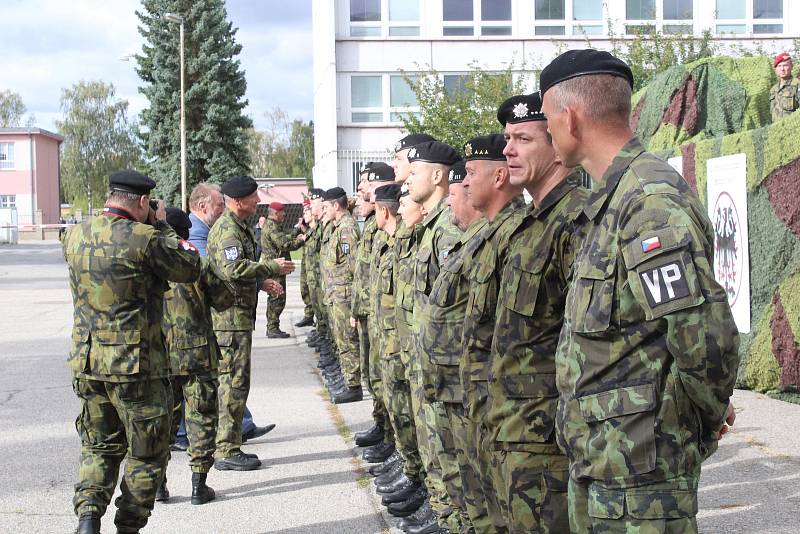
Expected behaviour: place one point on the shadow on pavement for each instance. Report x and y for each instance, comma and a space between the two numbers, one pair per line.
364, 524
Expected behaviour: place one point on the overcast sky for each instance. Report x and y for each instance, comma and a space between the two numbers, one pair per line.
48, 45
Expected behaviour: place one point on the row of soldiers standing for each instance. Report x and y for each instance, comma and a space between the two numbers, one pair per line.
560, 366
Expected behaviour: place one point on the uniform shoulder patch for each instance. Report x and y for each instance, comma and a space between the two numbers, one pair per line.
231, 253
186, 245
664, 281
345, 248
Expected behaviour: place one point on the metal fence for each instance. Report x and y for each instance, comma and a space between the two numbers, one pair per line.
352, 160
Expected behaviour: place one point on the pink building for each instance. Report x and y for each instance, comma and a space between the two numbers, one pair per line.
30, 174
283, 190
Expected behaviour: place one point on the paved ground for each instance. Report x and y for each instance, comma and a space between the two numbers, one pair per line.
311, 481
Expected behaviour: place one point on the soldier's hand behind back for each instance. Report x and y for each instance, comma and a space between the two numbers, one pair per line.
285, 266
730, 418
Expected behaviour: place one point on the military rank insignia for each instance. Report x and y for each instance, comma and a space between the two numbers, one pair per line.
345, 248
520, 110
468, 149
231, 253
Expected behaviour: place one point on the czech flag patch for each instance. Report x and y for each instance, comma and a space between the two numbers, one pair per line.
651, 244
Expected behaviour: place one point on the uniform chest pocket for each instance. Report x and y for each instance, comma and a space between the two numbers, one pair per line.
387, 281
483, 299
421, 269
119, 351
443, 292
593, 296
521, 283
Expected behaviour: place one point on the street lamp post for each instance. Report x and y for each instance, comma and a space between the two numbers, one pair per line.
171, 17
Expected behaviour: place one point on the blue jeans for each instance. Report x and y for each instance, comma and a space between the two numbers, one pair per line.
247, 424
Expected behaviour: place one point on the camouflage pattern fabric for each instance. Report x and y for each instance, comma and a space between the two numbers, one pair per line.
338, 264
441, 319
121, 420
397, 395
305, 292
199, 391
372, 363
311, 266
474, 512
484, 281
118, 359
648, 353
232, 258
784, 98
522, 379
275, 243
435, 236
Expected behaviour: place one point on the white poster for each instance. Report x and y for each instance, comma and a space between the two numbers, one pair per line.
727, 209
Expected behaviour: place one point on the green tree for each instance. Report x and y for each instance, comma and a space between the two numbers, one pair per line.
216, 128
12, 110
282, 149
453, 114
98, 140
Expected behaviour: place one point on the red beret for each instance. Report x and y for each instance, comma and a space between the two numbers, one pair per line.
780, 58
277, 206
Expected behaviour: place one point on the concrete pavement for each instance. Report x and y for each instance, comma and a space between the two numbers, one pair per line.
311, 481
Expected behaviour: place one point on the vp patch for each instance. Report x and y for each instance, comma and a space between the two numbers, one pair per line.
345, 248
665, 283
231, 253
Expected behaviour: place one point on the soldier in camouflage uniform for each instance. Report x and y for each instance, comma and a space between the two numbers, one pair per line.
530, 310
275, 243
118, 272
647, 357
312, 259
440, 333
374, 175
337, 264
491, 193
232, 255
436, 235
305, 291
193, 360
784, 96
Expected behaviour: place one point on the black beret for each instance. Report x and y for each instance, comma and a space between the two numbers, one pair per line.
411, 140
316, 192
334, 193
239, 186
574, 63
388, 193
433, 152
367, 166
179, 221
488, 147
521, 108
404, 191
457, 173
380, 172
130, 182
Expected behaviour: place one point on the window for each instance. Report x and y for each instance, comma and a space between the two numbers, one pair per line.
549, 10
732, 16
376, 18
767, 9
366, 98
640, 9
8, 201
591, 29
400, 93
460, 17
677, 9
549, 30
640, 29
730, 9
403, 18
365, 10
6, 156
587, 9
455, 84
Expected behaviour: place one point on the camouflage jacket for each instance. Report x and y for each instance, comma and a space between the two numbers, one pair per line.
188, 330
275, 243
435, 236
324, 238
648, 353
338, 259
118, 272
232, 255
442, 317
361, 276
385, 310
311, 255
484, 288
784, 98
530, 311
403, 272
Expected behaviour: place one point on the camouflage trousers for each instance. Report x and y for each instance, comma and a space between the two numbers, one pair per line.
474, 501
455, 475
668, 507
346, 338
534, 490
398, 401
480, 454
275, 306
200, 394
428, 441
368, 350
305, 294
318, 303
117, 420
233, 389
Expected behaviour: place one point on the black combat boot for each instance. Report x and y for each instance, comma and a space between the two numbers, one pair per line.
201, 493
162, 493
352, 394
378, 453
373, 436
306, 321
88, 523
386, 465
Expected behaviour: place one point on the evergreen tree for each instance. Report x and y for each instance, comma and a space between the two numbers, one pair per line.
216, 128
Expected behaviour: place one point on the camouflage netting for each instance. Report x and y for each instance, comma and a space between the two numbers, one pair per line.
720, 107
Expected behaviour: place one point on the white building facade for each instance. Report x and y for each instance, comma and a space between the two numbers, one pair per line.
362, 47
